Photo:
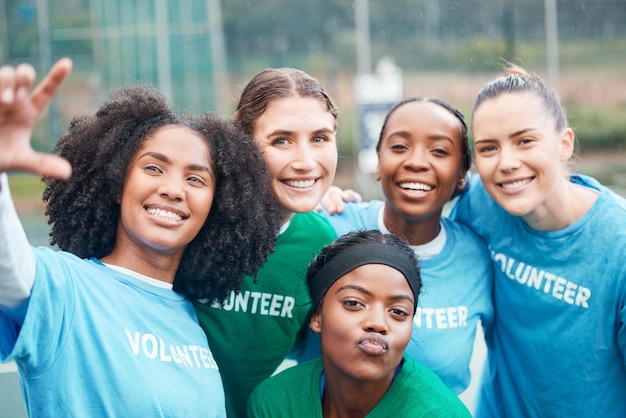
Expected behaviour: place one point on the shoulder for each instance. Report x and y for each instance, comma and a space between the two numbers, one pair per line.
428, 392
275, 395
286, 378
461, 234
310, 226
356, 208
611, 197
51, 259
477, 209
309, 220
362, 215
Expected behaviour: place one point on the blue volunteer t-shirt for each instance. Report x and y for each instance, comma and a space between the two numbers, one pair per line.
97, 342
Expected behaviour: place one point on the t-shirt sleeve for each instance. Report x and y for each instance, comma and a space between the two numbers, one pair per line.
17, 262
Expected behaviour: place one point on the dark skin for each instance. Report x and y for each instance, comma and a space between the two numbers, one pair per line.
419, 168
83, 206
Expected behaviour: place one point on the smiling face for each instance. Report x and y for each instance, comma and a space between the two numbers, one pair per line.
420, 160
297, 136
365, 324
519, 154
167, 193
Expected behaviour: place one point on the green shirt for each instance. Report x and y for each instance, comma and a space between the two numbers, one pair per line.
254, 330
415, 392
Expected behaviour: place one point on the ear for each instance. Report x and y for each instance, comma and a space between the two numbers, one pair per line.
316, 322
378, 170
568, 140
118, 198
462, 182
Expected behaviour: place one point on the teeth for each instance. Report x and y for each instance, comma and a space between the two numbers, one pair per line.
165, 214
515, 184
416, 186
300, 183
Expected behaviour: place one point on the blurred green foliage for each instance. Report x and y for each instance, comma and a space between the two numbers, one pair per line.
25, 185
598, 127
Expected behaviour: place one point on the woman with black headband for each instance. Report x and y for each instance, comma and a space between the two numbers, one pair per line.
364, 288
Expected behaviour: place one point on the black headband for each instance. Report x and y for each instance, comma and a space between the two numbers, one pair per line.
357, 256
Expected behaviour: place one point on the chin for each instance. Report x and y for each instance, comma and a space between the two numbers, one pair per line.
514, 209
303, 206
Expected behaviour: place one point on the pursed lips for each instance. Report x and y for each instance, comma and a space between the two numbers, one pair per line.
373, 344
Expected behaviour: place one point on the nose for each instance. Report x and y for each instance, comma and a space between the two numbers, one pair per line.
416, 159
376, 320
172, 188
304, 158
509, 160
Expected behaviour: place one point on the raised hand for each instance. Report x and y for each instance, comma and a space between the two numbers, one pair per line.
20, 109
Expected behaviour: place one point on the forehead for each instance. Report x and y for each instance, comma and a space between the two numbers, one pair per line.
295, 113
380, 280
423, 116
179, 141
522, 109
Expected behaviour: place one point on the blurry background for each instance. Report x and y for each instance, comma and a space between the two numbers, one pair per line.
368, 53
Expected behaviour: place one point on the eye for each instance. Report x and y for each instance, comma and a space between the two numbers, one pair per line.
280, 141
440, 152
153, 168
400, 312
196, 179
319, 139
526, 141
352, 304
398, 147
486, 149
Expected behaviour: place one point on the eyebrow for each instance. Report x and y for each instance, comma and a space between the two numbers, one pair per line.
368, 293
165, 159
521, 131
406, 134
511, 136
279, 132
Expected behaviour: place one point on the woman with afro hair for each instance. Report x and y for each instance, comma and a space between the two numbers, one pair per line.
149, 209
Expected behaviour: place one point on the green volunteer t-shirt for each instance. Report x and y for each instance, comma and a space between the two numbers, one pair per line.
416, 392
253, 331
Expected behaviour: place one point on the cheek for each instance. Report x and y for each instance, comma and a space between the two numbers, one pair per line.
274, 162
387, 167
483, 165
327, 157
405, 331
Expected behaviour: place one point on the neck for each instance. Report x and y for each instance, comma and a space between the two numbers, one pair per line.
346, 397
417, 231
158, 266
287, 215
565, 206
